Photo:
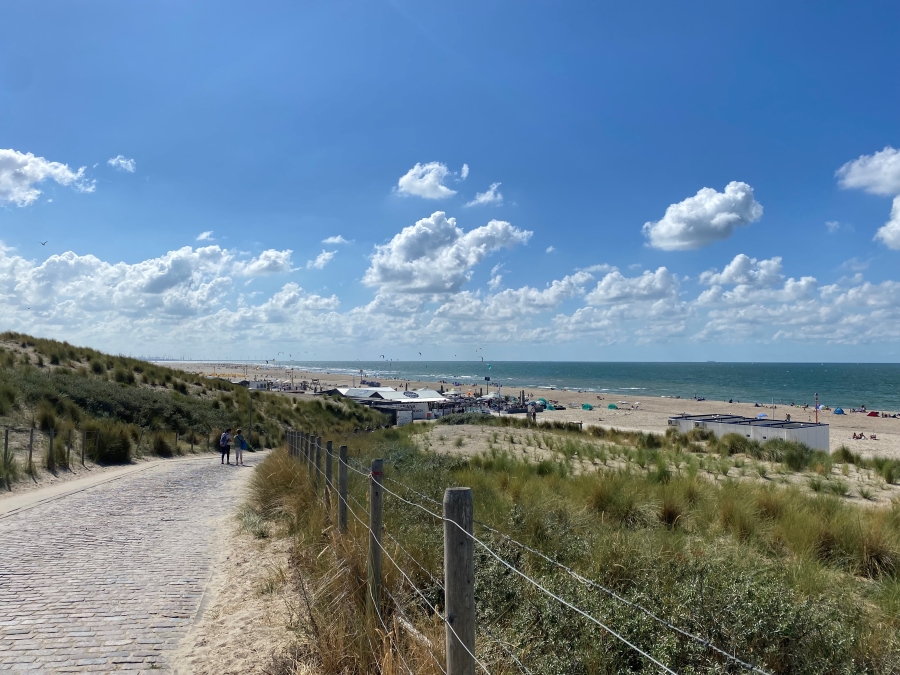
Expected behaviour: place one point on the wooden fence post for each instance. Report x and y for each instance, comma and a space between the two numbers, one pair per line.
342, 488
318, 462
459, 581
311, 457
31, 450
328, 446
83, 442
7, 460
376, 496
304, 443
51, 461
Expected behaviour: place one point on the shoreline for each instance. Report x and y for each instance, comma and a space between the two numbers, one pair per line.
650, 414
839, 385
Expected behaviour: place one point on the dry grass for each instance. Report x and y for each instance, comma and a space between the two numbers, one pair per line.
744, 560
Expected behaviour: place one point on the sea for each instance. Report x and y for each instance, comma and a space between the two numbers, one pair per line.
849, 385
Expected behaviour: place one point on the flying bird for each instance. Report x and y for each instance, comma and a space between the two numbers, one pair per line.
43, 243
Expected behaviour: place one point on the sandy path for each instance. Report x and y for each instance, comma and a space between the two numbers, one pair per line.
110, 576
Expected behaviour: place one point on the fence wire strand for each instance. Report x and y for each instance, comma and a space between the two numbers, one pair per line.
704, 642
400, 611
388, 633
535, 583
366, 527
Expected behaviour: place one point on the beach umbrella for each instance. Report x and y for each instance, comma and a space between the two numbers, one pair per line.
612, 406
587, 406
542, 400
872, 414
838, 411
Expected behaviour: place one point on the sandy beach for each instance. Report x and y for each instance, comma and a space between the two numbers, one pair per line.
651, 413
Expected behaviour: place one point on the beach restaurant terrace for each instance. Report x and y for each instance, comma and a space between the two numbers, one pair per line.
813, 434
424, 403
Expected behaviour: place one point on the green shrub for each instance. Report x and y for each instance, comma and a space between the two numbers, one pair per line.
889, 469
161, 447
732, 444
796, 456
649, 441
7, 398
46, 415
123, 376
108, 442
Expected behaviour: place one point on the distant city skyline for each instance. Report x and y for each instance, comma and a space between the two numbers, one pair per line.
580, 182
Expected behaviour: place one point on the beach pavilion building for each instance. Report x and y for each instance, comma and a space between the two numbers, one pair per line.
422, 404
813, 434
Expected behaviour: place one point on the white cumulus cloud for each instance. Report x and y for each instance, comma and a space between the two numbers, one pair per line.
205, 236
122, 163
436, 256
878, 173
889, 233
614, 288
337, 239
745, 270
492, 196
513, 302
268, 262
320, 260
21, 172
425, 180
707, 217
465, 171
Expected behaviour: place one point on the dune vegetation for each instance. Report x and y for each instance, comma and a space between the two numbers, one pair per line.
787, 578
123, 407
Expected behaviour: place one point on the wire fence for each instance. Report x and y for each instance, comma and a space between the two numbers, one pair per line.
307, 447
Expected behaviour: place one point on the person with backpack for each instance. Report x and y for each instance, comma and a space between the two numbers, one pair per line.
240, 444
225, 445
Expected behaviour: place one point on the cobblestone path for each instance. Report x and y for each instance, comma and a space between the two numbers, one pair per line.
110, 578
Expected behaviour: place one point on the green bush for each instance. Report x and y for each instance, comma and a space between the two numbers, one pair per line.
7, 398
797, 456
108, 442
161, 447
732, 444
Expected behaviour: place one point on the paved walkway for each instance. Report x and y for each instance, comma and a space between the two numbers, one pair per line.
111, 577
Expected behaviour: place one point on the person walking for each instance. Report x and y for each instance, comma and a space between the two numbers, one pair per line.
225, 445
240, 444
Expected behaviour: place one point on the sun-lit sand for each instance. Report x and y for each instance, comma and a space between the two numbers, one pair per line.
651, 413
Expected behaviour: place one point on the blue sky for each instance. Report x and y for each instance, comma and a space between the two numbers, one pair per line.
675, 181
